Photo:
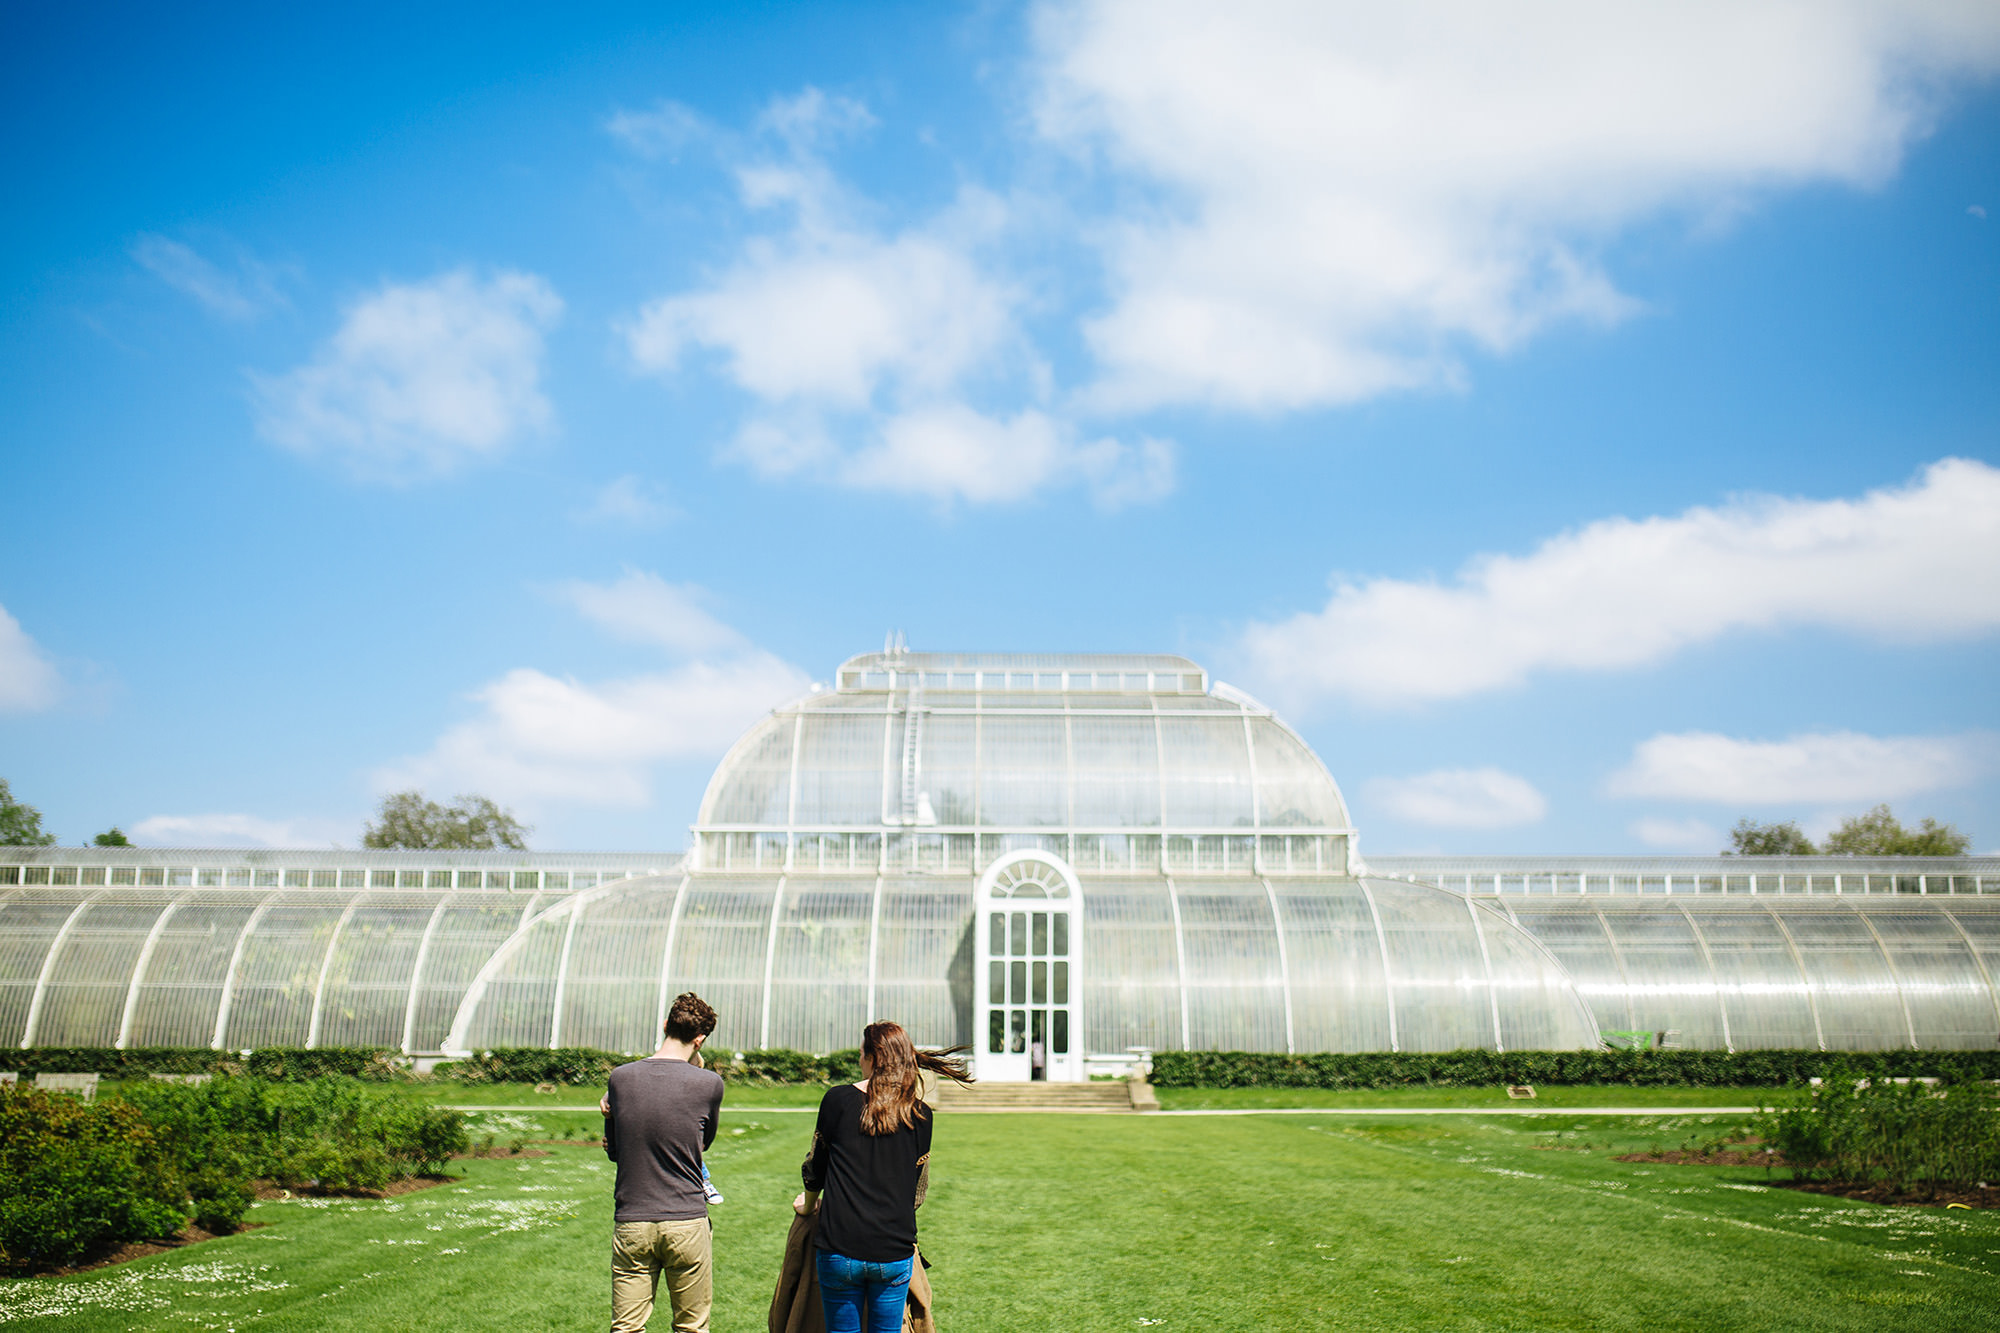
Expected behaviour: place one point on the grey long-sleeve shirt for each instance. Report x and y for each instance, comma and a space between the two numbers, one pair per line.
663, 1114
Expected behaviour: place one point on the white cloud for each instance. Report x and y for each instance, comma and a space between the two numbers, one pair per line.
644, 608
662, 131
1474, 798
244, 295
1679, 835
540, 738
630, 499
953, 453
866, 349
28, 680
421, 377
1335, 199
831, 315
1914, 563
1841, 766
230, 830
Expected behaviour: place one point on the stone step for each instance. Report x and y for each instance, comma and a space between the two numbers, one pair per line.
1097, 1096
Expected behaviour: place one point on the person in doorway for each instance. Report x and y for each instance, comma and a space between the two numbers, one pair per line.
660, 1114
1038, 1058
871, 1153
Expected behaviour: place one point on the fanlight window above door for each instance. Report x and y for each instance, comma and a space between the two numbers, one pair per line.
1029, 879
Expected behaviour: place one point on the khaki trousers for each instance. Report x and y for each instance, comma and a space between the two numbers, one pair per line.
644, 1252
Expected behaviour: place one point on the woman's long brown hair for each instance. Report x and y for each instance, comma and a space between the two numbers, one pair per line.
895, 1083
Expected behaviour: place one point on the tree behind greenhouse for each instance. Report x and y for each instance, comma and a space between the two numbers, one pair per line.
472, 823
1879, 833
20, 825
1750, 838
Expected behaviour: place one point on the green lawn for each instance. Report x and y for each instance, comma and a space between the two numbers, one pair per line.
1112, 1222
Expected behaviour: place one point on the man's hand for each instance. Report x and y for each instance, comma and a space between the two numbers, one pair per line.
805, 1204
604, 1104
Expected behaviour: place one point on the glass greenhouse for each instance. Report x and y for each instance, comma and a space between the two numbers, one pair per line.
1093, 856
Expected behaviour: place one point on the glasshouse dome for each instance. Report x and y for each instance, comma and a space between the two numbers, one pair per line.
1096, 855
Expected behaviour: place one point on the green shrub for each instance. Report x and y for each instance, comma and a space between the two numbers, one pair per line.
330, 1133
77, 1179
580, 1066
1462, 1069
570, 1065
1904, 1136
283, 1063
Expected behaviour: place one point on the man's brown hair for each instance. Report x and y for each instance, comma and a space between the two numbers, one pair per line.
690, 1017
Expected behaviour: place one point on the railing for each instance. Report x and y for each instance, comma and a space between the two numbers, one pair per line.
1746, 875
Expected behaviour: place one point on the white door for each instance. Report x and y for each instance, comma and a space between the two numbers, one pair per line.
1030, 945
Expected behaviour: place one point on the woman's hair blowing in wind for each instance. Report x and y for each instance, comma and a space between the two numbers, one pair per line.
895, 1083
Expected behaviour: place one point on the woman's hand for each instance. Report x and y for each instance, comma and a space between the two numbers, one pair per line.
805, 1204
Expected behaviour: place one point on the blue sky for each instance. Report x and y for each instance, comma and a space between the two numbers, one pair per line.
1583, 424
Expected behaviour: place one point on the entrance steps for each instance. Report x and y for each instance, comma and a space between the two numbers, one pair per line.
1103, 1096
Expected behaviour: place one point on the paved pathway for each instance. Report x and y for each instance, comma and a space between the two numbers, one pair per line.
1245, 1110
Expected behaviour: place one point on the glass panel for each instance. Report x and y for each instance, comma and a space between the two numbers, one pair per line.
755, 785
1206, 767
924, 958
997, 942
1020, 934
1024, 772
1061, 949
1117, 771
1041, 945
1131, 992
1019, 1043
996, 1031
996, 981
1041, 995
1062, 983
1061, 1042
819, 987
840, 769
1236, 998
1017, 990
1338, 1000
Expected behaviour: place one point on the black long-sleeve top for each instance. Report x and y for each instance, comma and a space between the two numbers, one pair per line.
870, 1181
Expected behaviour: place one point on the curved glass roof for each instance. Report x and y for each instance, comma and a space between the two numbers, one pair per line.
965, 742
1174, 964
835, 879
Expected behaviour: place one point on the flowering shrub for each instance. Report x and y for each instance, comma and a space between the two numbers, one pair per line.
77, 1178
331, 1133
1905, 1136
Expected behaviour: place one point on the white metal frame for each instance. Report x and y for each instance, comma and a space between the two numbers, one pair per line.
991, 894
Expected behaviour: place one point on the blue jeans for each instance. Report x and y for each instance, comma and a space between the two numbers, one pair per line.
862, 1297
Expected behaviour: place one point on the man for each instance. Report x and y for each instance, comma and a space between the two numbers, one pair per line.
659, 1114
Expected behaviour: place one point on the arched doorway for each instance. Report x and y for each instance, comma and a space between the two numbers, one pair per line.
1029, 981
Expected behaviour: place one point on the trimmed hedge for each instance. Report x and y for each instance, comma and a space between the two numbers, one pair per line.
280, 1064
1467, 1069
572, 1065
531, 1064
577, 1065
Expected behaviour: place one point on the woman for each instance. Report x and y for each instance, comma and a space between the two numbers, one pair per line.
871, 1155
